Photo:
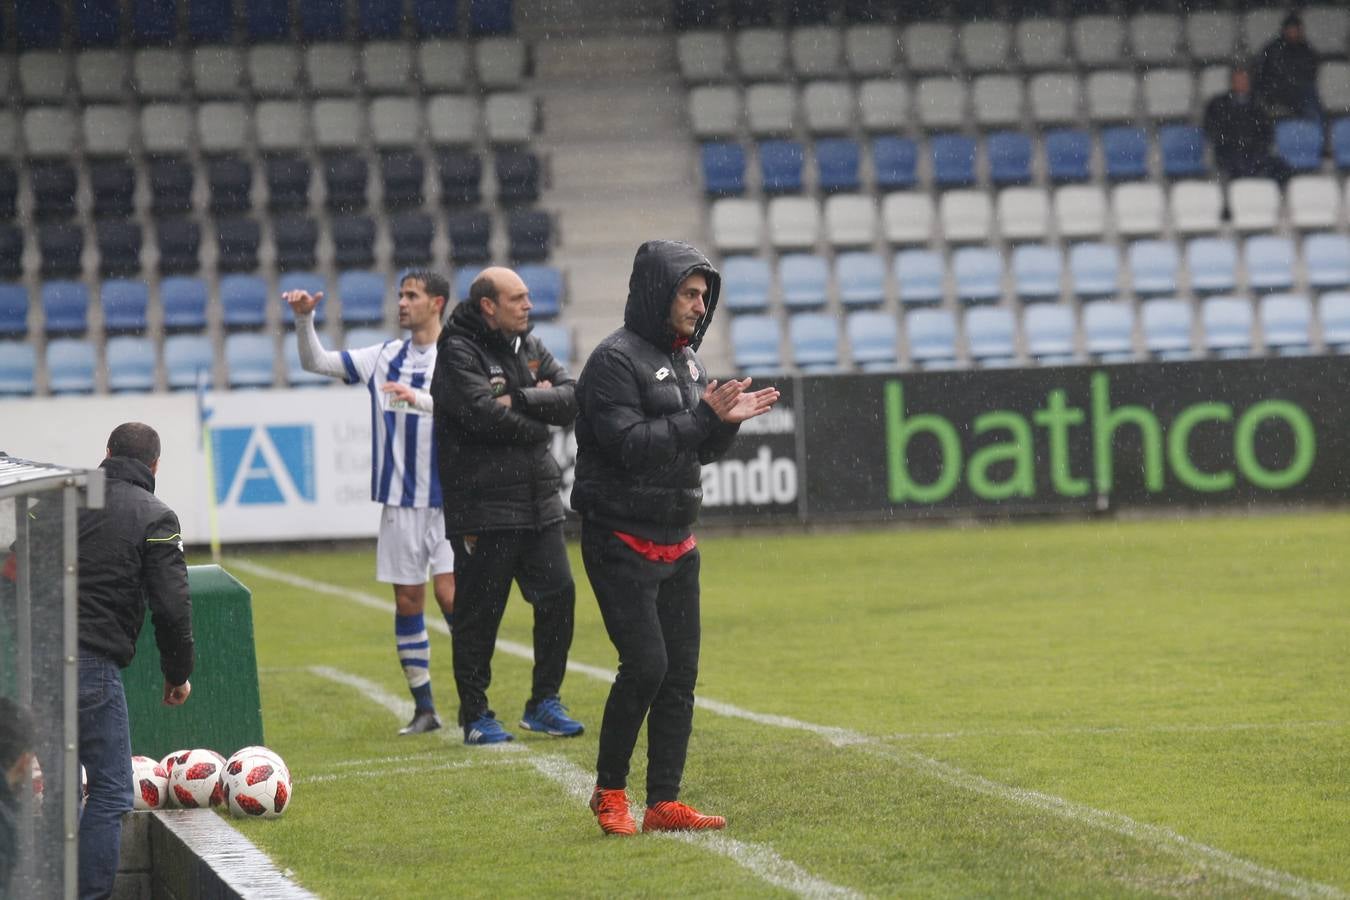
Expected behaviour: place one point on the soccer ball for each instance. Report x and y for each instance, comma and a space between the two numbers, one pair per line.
258, 750
257, 783
194, 779
151, 782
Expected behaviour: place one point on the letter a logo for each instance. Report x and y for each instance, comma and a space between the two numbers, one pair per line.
266, 464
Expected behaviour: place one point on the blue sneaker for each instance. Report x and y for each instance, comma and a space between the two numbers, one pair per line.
549, 716
486, 730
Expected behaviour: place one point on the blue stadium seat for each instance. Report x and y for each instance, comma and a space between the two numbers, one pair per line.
13, 309
1009, 157
837, 161
354, 338
210, 21
814, 339
1299, 141
780, 167
953, 158
1183, 151
124, 303
18, 362
1125, 149
490, 17
1049, 334
1340, 142
131, 363
154, 21
296, 376
979, 274
1212, 263
243, 301
546, 289
1326, 258
465, 276
861, 278
183, 299
37, 24
894, 160
266, 20
989, 336
932, 338
185, 355
249, 360
435, 17
1226, 326
803, 280
871, 338
1037, 272
723, 166
65, 307
1153, 267
1094, 269
1068, 154
745, 284
321, 20
96, 24
302, 281
1108, 331
1333, 309
755, 344
1270, 263
70, 366
1166, 324
1286, 324
919, 274
557, 337
379, 19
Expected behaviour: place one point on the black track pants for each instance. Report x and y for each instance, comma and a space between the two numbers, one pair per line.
651, 613
485, 565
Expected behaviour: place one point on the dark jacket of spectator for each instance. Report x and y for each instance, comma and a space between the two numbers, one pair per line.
1285, 75
1240, 133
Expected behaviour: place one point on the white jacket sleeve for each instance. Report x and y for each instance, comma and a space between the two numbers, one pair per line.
313, 358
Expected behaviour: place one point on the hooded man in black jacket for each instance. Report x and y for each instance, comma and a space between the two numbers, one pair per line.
1286, 73
648, 419
495, 392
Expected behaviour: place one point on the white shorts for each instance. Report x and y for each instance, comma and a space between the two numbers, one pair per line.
412, 540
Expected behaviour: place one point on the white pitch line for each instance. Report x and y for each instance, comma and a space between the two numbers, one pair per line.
385, 771
1110, 730
758, 859
1160, 838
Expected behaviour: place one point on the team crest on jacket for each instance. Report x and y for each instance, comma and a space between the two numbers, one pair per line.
662, 373
498, 385
693, 369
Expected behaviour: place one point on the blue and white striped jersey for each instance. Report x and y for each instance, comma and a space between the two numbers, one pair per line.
403, 469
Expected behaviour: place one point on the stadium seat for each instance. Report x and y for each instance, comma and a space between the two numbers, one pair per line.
1037, 273
1094, 270
990, 336
454, 120
1108, 331
362, 297
442, 64
1326, 260
996, 101
1153, 267
158, 73
761, 53
1138, 208
1340, 142
814, 341
1112, 96
1212, 264
883, 104
70, 366
723, 165
223, 127
43, 76
376, 19
9, 190
320, 20
1166, 325
1314, 201
188, 357
11, 250
978, 273
780, 167
353, 241
500, 62
461, 173
13, 309
119, 247
1048, 328
395, 121
112, 183
745, 284
1155, 38
470, 232
249, 360
1023, 214
1328, 27
1169, 94
793, 223
386, 66
18, 363
153, 22
919, 274
850, 220
932, 338
1183, 151
49, 131
302, 281
243, 301
893, 163
353, 338
1333, 311
755, 344
65, 307
928, 46
1041, 43
861, 279
1054, 98
940, 103
529, 233
402, 174
464, 279
953, 157
1299, 142
296, 376
815, 51
54, 184
870, 50
1270, 263
237, 242
179, 241
1333, 86
131, 364
411, 233
985, 46
231, 180
872, 340
183, 301
771, 109
1226, 326
837, 161
1068, 155
967, 216
1125, 151
1286, 324
803, 280
281, 126
1080, 211
1196, 207
715, 111
737, 225
124, 303
435, 17
1009, 155
296, 238
273, 69
703, 56
345, 176
171, 180
828, 107
1098, 40
907, 217
107, 130
1211, 35
546, 289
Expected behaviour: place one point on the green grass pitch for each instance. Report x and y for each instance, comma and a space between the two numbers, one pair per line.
1104, 709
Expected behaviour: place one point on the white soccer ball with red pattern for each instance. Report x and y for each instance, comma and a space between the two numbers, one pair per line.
257, 750
150, 783
257, 784
194, 778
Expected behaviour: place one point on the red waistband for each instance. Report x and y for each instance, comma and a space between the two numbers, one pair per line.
665, 553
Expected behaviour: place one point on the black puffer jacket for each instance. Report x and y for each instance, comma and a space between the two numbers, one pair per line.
131, 552
1286, 74
643, 431
497, 473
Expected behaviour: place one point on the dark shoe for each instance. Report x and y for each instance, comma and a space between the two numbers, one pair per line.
549, 716
423, 720
486, 730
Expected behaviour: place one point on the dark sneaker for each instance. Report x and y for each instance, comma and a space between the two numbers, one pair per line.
549, 716
486, 730
672, 815
423, 720
610, 806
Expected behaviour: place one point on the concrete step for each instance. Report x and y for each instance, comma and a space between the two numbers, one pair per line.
600, 55
640, 109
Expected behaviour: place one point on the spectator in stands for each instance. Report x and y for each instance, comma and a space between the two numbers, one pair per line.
648, 419
16, 759
497, 390
1286, 73
1240, 132
403, 467
131, 552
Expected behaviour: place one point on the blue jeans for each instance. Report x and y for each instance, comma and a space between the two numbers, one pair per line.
105, 753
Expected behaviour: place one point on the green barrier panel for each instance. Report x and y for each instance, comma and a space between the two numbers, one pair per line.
224, 712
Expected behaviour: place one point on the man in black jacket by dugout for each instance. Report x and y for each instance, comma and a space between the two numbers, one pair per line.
495, 392
648, 419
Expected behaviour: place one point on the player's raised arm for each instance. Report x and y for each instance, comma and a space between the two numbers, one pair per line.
313, 358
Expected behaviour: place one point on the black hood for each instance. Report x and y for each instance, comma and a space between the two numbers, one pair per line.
124, 468
658, 269
467, 319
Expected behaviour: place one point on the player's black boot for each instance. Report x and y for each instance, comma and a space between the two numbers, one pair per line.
423, 720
